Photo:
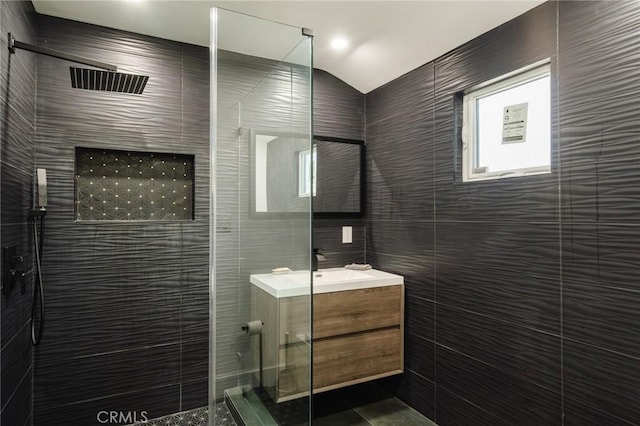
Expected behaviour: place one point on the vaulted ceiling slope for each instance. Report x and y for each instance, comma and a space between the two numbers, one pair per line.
385, 38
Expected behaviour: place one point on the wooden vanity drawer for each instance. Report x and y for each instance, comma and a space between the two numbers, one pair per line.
352, 311
343, 360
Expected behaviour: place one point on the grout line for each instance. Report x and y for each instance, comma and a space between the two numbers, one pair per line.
26, 324
27, 373
560, 229
435, 251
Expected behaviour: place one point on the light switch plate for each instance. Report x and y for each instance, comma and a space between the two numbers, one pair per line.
347, 234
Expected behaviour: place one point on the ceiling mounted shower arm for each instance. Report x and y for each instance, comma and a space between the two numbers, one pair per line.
14, 44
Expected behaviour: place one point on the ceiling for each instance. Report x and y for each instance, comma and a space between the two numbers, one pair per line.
386, 38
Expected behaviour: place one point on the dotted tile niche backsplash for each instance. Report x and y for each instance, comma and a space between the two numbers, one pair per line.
118, 185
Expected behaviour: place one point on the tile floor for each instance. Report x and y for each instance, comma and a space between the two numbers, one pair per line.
360, 405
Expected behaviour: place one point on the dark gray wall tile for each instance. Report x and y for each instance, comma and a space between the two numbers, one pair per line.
578, 414
68, 381
399, 167
194, 394
601, 254
404, 248
598, 89
195, 305
456, 411
419, 317
518, 199
603, 379
16, 363
420, 355
15, 194
195, 100
18, 87
155, 402
602, 192
602, 316
99, 298
195, 360
17, 123
418, 275
18, 409
400, 238
338, 109
522, 249
15, 309
408, 93
514, 399
516, 297
523, 352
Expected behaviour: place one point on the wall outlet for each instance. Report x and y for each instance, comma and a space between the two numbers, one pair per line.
347, 234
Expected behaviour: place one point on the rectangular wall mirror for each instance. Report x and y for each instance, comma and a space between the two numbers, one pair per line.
332, 171
340, 177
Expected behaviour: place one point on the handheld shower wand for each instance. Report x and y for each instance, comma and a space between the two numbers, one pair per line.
37, 218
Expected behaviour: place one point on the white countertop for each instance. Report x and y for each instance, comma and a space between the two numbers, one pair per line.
298, 283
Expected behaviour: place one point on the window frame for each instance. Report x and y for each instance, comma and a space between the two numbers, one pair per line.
470, 113
306, 171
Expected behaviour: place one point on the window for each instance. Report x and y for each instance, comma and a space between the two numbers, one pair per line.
507, 126
307, 179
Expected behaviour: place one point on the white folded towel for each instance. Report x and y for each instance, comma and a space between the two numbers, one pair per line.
358, 266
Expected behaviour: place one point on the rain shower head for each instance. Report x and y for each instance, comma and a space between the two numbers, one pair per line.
108, 81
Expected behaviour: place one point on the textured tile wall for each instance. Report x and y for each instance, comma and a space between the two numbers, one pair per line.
127, 303
17, 124
521, 293
599, 107
400, 214
338, 111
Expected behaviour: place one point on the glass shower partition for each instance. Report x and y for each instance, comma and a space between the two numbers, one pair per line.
261, 165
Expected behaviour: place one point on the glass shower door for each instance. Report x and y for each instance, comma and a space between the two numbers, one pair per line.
261, 295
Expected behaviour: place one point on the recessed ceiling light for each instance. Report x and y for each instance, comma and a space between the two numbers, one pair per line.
339, 43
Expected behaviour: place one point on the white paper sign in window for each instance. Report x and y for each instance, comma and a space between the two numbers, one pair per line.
514, 124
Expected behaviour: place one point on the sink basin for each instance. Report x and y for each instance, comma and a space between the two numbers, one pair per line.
329, 276
298, 283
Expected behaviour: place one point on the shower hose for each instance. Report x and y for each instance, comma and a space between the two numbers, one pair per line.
38, 292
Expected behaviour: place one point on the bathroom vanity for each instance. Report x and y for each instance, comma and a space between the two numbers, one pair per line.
358, 329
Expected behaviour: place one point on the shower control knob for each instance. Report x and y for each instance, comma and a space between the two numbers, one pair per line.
16, 277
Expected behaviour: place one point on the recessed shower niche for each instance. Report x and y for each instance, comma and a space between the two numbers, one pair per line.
115, 185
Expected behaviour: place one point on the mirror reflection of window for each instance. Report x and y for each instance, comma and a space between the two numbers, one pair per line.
307, 162
287, 172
